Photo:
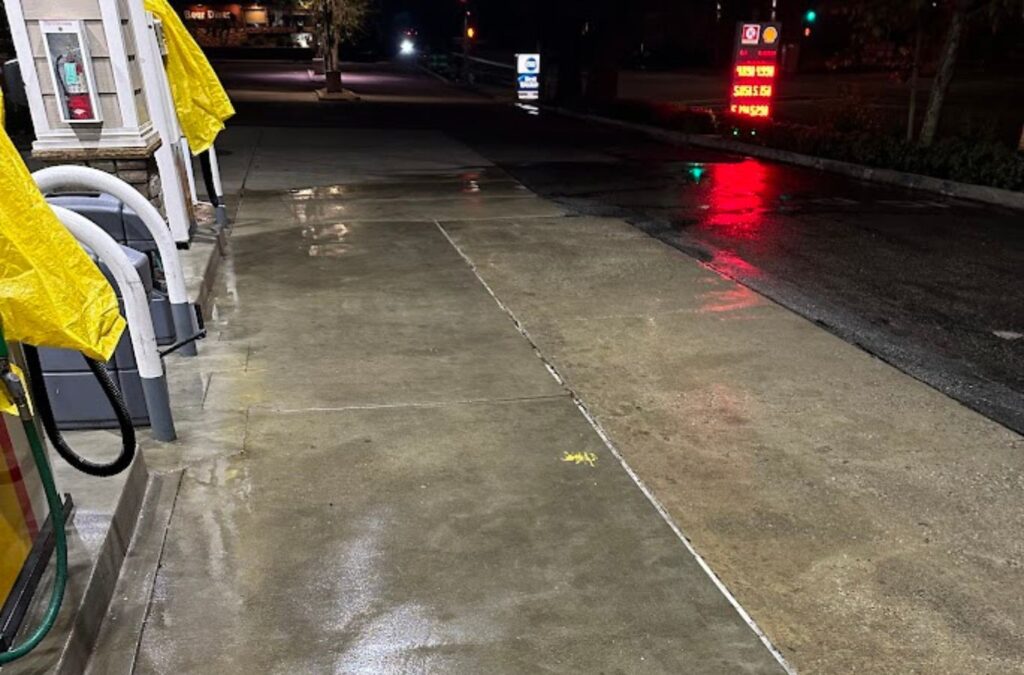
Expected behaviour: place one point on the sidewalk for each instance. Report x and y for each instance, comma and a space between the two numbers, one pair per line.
382, 474
411, 490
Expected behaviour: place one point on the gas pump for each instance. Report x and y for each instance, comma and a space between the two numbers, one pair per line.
14, 390
52, 295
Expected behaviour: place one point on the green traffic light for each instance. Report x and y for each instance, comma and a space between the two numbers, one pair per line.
696, 172
811, 16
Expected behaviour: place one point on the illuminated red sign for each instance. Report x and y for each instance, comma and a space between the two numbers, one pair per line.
755, 67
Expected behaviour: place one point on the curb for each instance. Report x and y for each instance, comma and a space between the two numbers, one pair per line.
948, 188
474, 88
343, 95
423, 69
77, 633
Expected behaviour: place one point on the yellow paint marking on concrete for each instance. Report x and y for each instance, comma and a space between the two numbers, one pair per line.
588, 458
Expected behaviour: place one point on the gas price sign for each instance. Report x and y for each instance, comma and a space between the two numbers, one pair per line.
754, 69
528, 77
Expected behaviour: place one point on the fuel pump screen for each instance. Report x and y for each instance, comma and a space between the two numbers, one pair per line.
754, 71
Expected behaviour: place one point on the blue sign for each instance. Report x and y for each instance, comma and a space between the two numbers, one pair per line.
528, 77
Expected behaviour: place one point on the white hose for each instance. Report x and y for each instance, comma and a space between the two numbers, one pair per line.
56, 178
133, 292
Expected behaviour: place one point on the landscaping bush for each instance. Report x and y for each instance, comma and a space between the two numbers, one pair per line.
672, 116
962, 160
855, 136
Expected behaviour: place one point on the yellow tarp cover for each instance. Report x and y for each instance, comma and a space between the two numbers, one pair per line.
51, 292
202, 104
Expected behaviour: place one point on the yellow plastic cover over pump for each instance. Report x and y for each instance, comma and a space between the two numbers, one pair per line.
199, 98
51, 293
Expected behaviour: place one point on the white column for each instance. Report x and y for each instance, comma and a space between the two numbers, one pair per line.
161, 108
119, 63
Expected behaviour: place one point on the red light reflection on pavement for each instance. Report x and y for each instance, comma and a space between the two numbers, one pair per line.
731, 265
732, 300
737, 198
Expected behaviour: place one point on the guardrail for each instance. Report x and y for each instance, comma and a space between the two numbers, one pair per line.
472, 69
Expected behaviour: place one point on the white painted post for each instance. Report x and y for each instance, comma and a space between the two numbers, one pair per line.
190, 170
161, 108
140, 322
222, 208
57, 178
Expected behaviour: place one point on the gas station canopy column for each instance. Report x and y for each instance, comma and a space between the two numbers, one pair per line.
87, 68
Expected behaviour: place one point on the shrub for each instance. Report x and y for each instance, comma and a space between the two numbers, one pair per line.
855, 136
963, 160
665, 115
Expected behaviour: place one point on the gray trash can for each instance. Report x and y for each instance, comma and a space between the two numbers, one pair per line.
126, 228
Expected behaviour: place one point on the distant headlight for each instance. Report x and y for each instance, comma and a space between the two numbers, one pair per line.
407, 47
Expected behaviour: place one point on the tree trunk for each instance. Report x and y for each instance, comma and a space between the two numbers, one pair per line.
915, 73
940, 86
332, 81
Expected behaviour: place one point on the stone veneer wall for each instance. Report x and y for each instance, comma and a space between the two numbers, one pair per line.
141, 174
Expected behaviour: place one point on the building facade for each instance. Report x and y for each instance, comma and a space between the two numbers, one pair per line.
257, 25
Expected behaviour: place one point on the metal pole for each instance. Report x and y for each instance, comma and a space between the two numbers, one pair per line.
222, 209
464, 74
190, 171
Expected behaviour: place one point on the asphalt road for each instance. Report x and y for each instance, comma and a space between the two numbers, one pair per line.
929, 284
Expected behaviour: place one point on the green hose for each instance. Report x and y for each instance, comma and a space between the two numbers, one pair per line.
16, 391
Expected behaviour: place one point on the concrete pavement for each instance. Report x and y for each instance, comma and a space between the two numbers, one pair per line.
382, 474
408, 488
867, 522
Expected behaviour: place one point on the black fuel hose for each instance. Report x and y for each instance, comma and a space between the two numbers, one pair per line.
41, 401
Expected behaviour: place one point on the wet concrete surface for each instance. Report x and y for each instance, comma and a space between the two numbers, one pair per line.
926, 283
379, 479
389, 479
867, 522
441, 539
